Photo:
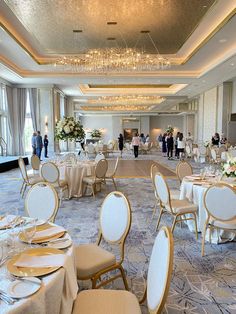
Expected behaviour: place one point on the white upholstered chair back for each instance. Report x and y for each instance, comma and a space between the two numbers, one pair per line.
90, 148
99, 157
115, 217
188, 150
153, 171
115, 167
220, 201
101, 168
50, 172
183, 169
213, 154
202, 150
42, 202
70, 157
23, 170
160, 270
35, 162
162, 189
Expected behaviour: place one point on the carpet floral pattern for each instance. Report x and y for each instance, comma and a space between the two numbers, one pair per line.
199, 285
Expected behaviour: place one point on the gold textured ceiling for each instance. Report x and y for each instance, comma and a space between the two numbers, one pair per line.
51, 23
129, 85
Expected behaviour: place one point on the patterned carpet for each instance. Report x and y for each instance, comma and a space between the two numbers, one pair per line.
199, 285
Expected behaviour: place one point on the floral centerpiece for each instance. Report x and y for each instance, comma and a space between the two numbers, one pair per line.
229, 168
69, 129
96, 133
170, 129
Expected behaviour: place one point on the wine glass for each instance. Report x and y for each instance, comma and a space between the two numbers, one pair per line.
29, 232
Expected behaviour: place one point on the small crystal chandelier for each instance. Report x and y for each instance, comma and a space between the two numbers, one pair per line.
115, 59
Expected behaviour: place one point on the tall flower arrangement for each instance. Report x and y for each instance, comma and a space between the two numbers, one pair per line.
69, 129
170, 129
229, 168
96, 134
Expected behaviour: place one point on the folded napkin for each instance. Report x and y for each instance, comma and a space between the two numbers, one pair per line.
54, 260
4, 223
54, 230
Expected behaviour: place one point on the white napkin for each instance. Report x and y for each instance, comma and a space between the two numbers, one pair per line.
7, 220
48, 232
54, 260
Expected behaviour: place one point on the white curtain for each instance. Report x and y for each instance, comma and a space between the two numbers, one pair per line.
33, 107
21, 106
10, 107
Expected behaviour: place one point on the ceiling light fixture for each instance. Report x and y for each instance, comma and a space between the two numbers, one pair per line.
116, 58
127, 100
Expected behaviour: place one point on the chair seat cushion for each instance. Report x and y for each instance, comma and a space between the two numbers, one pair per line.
91, 258
106, 301
183, 206
175, 194
230, 224
91, 180
35, 179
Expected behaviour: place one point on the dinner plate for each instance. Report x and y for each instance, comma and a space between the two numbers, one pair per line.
33, 271
23, 288
60, 245
44, 239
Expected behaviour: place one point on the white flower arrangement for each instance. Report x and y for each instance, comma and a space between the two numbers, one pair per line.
229, 168
170, 129
96, 133
69, 129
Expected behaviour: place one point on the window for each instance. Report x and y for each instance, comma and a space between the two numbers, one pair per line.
4, 130
28, 130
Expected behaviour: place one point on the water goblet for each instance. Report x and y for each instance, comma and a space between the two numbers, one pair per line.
29, 232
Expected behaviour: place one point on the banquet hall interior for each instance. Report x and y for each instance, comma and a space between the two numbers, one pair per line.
117, 156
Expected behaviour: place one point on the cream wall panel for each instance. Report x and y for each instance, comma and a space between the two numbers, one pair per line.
158, 124
210, 117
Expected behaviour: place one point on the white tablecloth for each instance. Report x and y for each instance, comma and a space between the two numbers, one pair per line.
229, 153
53, 297
74, 175
194, 193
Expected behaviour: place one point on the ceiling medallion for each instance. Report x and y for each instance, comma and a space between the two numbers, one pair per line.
116, 58
127, 100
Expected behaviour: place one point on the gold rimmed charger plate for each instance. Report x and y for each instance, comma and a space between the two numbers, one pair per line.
33, 271
44, 239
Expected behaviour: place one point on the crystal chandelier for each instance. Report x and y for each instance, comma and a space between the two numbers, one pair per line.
127, 100
126, 108
115, 59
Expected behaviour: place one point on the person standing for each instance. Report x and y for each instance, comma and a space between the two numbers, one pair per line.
176, 145
147, 140
181, 145
159, 140
136, 143
39, 145
45, 144
142, 138
33, 143
164, 150
170, 146
121, 143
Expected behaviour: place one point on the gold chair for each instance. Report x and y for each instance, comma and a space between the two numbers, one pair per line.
28, 179
51, 174
175, 207
111, 175
46, 210
183, 169
154, 170
124, 302
91, 260
97, 178
220, 204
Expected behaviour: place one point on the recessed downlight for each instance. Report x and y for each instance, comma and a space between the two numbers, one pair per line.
77, 31
112, 23
222, 40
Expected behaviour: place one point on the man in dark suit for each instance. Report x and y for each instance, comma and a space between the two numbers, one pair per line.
39, 145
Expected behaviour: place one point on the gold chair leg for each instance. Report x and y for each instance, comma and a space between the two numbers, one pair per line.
93, 190
154, 209
159, 219
24, 189
195, 221
174, 223
124, 277
203, 236
114, 183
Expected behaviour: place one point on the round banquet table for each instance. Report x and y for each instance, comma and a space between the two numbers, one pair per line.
74, 174
53, 297
194, 192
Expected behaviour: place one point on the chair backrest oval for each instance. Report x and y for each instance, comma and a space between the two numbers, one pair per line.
99, 157
42, 202
50, 172
188, 150
115, 217
35, 162
160, 270
183, 169
101, 168
202, 150
213, 154
154, 169
23, 170
113, 172
70, 157
90, 148
162, 189
220, 201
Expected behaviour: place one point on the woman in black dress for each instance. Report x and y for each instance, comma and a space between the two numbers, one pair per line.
164, 149
121, 143
45, 144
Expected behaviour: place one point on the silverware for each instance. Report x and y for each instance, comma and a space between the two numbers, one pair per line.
6, 298
30, 280
54, 241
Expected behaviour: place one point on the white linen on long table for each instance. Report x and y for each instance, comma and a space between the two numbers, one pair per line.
194, 192
74, 175
56, 294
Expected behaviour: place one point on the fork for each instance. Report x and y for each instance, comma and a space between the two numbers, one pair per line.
6, 298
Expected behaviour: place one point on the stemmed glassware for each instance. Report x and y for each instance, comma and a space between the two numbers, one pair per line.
29, 232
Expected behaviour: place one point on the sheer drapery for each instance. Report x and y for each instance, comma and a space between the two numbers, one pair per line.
33, 107
21, 106
10, 116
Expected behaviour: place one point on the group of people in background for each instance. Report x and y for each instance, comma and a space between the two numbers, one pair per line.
216, 140
136, 142
38, 143
170, 144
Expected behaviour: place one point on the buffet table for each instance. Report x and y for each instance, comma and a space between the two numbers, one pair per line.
56, 291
